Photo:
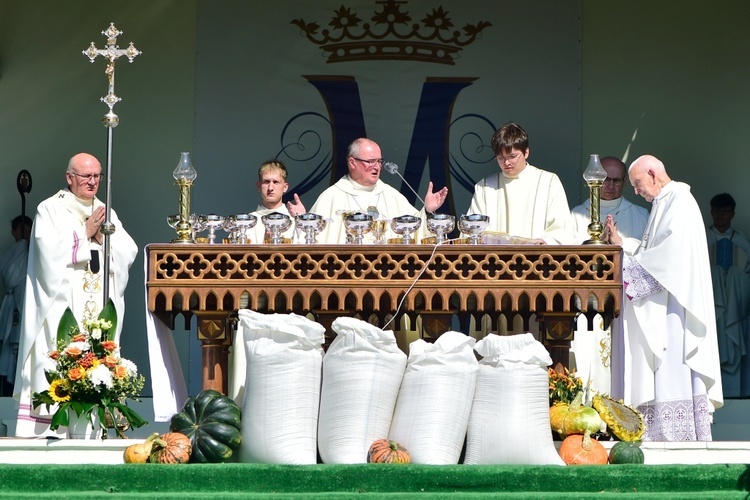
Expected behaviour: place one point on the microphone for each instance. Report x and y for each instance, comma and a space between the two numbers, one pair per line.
392, 168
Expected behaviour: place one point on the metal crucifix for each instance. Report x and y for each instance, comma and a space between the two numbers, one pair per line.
111, 53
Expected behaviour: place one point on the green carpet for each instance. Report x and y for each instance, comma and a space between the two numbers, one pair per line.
373, 480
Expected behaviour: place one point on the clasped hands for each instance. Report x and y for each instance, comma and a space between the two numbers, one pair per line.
94, 225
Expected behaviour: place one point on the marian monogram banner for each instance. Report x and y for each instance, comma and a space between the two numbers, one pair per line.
429, 80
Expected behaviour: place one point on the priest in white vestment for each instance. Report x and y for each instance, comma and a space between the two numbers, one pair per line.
13, 280
522, 200
65, 269
361, 190
670, 356
591, 349
729, 252
271, 185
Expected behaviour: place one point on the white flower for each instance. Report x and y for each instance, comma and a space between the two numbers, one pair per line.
105, 325
96, 334
83, 346
101, 376
130, 366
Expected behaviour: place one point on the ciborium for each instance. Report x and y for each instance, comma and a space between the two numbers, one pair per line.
241, 223
212, 222
440, 225
311, 225
357, 225
472, 225
276, 223
406, 225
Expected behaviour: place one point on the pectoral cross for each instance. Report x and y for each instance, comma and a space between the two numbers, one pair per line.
112, 52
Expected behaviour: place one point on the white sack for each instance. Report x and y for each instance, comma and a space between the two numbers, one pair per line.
509, 421
434, 402
362, 371
282, 389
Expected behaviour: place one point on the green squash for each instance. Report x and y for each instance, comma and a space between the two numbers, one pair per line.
626, 452
212, 422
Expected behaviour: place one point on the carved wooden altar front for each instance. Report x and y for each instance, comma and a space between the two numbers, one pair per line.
377, 282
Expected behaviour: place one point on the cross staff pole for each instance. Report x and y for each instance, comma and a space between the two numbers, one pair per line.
111, 53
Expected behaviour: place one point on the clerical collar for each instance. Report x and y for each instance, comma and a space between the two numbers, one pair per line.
515, 176
359, 187
729, 233
610, 204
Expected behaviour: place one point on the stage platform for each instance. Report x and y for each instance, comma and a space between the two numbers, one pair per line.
731, 443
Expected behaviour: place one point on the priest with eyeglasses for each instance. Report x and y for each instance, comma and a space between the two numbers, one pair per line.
65, 269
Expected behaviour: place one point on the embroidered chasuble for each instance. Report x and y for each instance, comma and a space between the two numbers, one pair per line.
670, 352
62, 273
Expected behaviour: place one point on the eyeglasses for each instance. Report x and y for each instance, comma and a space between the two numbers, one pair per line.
370, 163
88, 177
512, 158
614, 180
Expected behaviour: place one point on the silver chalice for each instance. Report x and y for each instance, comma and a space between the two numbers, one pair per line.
276, 223
441, 225
212, 222
241, 223
405, 225
357, 225
472, 225
310, 225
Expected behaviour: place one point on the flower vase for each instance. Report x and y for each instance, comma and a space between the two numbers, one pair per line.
80, 427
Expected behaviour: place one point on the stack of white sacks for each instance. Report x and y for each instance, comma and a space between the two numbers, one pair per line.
298, 402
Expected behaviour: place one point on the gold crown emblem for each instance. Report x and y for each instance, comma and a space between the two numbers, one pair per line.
389, 37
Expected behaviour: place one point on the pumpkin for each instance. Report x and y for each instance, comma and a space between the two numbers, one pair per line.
212, 422
385, 451
139, 453
580, 449
171, 448
574, 418
626, 452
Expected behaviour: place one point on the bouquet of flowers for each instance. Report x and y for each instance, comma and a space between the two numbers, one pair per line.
89, 374
563, 386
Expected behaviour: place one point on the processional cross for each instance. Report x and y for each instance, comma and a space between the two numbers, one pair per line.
111, 53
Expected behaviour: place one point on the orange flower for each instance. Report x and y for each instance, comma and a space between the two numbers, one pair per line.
76, 373
72, 351
54, 355
109, 361
109, 345
78, 338
120, 372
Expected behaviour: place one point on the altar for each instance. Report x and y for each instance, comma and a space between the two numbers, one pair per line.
380, 283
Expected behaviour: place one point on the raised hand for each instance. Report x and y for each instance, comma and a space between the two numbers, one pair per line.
296, 207
433, 201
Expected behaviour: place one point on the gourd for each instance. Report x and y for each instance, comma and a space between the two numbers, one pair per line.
580, 449
574, 418
139, 453
171, 448
385, 451
212, 422
626, 452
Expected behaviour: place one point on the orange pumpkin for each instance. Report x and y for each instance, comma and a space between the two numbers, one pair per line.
580, 449
385, 451
171, 448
